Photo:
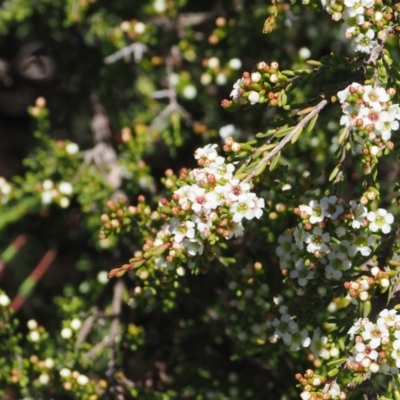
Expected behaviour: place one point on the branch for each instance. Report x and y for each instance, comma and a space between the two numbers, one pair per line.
287, 138
138, 49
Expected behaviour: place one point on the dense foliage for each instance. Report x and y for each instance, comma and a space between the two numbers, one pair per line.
199, 200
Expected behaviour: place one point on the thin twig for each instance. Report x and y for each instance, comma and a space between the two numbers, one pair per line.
114, 328
287, 138
138, 49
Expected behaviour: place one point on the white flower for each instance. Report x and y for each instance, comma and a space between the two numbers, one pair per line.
363, 42
65, 188
334, 390
375, 96
189, 92
243, 207
227, 131
286, 246
76, 324
47, 197
284, 327
66, 333
47, 184
380, 220
254, 97
317, 240
330, 207
82, 380
71, 148
64, 202
305, 396
44, 379
374, 333
256, 77
49, 363
359, 213
208, 152
318, 343
32, 324
388, 317
235, 63
314, 210
235, 91
363, 351
299, 236
34, 336
182, 229
4, 300
343, 94
355, 328
65, 372
362, 243
193, 246
299, 338
302, 273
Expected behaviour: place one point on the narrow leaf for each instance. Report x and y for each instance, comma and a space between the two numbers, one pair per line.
274, 162
296, 136
312, 123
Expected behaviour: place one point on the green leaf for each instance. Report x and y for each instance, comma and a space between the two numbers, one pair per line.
334, 173
297, 135
312, 123
274, 161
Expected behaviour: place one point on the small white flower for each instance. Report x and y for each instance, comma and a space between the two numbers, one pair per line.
330, 207
227, 131
64, 202
317, 240
359, 213
34, 336
4, 300
49, 363
380, 220
193, 246
65, 188
48, 184
363, 244
72, 148
65, 372
302, 273
32, 324
235, 63
235, 91
374, 333
182, 229
76, 324
44, 379
66, 333
254, 97
189, 92
314, 210
82, 380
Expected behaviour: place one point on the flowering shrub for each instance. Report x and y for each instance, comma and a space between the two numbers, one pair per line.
196, 253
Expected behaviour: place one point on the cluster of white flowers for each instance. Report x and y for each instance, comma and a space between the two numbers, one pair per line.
368, 113
59, 194
215, 203
5, 190
333, 245
331, 391
377, 346
364, 21
287, 329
